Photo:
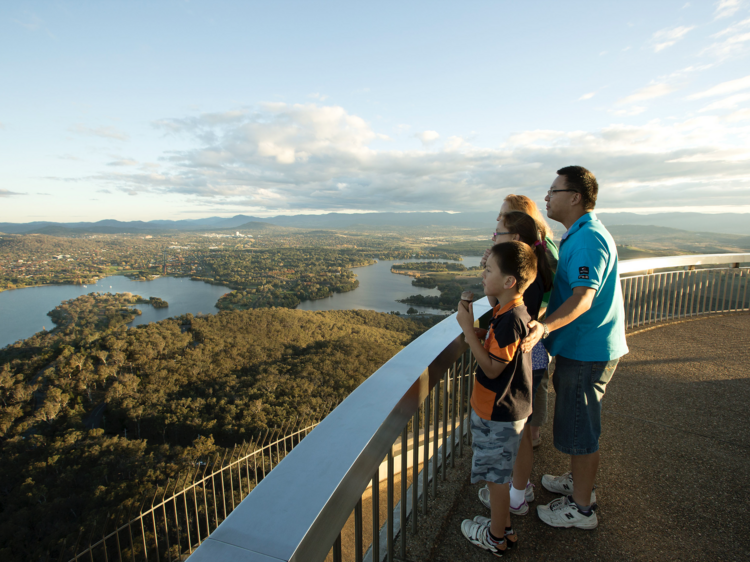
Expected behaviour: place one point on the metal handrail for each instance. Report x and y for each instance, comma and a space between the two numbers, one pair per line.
646, 264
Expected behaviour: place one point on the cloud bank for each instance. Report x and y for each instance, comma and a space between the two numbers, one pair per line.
303, 158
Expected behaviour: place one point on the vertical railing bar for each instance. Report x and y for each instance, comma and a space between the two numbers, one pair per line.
337, 549
472, 370
461, 388
674, 282
166, 521
205, 499
239, 468
195, 504
153, 518
693, 283
358, 531
731, 289
223, 490
454, 389
187, 520
636, 284
213, 491
647, 302
640, 301
435, 437
664, 293
426, 455
698, 292
707, 276
680, 290
445, 422
231, 480
117, 538
747, 282
376, 515
143, 535
402, 503
414, 470
657, 289
130, 533
724, 292
104, 539
389, 508
176, 518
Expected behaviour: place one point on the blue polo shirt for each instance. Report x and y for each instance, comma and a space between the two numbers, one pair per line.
588, 258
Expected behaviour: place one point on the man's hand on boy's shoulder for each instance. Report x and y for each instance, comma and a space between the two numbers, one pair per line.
536, 330
465, 316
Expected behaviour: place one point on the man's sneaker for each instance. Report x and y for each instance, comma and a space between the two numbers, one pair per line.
563, 512
510, 537
563, 485
523, 509
479, 535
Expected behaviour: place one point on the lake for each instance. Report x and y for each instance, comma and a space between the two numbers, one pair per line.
23, 312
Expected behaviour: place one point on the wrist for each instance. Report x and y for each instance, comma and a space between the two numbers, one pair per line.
546, 330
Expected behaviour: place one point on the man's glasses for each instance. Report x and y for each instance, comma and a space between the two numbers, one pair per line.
551, 191
500, 233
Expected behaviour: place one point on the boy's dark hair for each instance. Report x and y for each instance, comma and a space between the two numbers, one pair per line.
530, 232
517, 259
584, 182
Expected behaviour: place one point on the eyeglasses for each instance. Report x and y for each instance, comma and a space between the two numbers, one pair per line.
551, 191
500, 233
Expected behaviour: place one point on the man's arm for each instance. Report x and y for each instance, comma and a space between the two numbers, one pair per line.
578, 303
491, 367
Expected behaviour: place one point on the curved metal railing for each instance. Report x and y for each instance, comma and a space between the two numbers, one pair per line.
411, 413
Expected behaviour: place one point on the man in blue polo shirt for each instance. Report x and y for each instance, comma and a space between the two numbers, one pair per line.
585, 330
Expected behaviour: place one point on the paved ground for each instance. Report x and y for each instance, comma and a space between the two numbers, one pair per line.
675, 476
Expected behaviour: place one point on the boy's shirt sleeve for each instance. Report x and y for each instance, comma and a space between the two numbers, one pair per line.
587, 267
502, 346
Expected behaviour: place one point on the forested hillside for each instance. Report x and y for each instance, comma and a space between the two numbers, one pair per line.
93, 413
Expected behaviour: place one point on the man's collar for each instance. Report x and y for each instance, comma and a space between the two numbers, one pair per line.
583, 219
517, 301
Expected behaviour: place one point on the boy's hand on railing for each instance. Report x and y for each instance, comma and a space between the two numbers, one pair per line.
535, 334
465, 316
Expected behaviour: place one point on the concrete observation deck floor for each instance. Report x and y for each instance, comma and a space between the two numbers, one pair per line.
674, 480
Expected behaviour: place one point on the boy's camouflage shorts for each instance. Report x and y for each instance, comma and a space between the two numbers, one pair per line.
495, 446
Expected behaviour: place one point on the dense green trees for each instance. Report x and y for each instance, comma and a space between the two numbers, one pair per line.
93, 413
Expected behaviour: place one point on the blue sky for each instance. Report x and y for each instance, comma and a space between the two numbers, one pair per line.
175, 109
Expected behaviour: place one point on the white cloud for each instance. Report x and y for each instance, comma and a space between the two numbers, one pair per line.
318, 96
289, 158
7, 193
123, 162
733, 41
649, 92
727, 103
724, 88
587, 96
631, 111
667, 37
740, 115
106, 132
428, 137
726, 8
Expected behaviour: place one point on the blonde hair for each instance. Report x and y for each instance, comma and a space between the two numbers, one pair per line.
523, 204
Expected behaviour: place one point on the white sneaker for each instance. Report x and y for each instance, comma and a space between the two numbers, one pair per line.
563, 485
478, 535
523, 509
511, 538
564, 513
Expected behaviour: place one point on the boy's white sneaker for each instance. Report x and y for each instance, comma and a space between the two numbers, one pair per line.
523, 509
563, 485
510, 537
564, 513
478, 535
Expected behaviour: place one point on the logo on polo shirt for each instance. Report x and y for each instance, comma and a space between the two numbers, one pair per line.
583, 273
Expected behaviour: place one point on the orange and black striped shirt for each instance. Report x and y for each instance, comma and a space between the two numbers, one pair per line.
506, 398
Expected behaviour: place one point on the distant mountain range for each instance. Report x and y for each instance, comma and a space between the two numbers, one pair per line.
726, 223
